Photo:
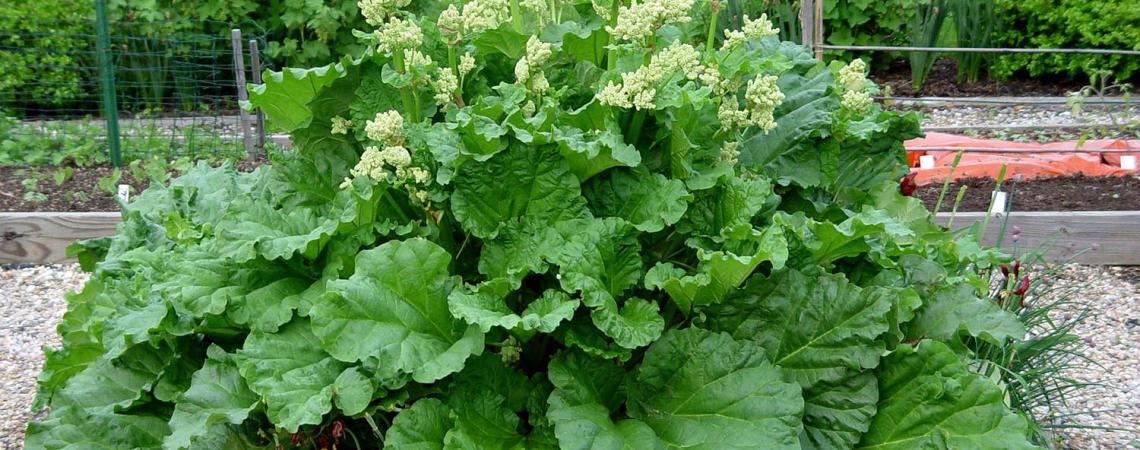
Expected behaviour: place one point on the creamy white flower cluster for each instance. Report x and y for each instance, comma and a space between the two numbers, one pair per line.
601, 10
390, 162
729, 151
762, 96
450, 24
539, 8
340, 125
483, 15
638, 88
398, 34
413, 58
852, 77
640, 20
375, 11
466, 64
528, 71
444, 85
854, 82
753, 29
387, 127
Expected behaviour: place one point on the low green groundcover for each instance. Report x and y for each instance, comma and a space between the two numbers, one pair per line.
541, 224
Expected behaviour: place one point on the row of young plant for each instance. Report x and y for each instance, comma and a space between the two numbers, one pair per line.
546, 224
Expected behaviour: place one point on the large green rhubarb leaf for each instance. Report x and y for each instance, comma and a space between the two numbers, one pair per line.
600, 259
930, 399
261, 230
591, 152
217, 395
72, 429
518, 250
837, 414
704, 390
814, 328
733, 203
285, 95
523, 181
486, 307
392, 314
647, 200
587, 391
957, 308
719, 273
420, 427
291, 373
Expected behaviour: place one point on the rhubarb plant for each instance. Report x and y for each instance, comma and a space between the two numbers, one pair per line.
541, 224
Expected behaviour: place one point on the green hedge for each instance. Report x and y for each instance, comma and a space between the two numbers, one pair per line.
46, 74
1107, 24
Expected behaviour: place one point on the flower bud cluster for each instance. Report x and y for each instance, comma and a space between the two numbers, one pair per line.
386, 128
375, 11
444, 85
466, 64
450, 24
729, 151
761, 97
483, 15
539, 8
638, 88
852, 76
528, 71
753, 29
641, 20
340, 125
391, 162
853, 80
398, 34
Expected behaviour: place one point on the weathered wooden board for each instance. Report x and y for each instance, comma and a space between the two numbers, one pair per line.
42, 238
1085, 237
1096, 237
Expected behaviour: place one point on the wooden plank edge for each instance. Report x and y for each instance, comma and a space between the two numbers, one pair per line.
1082, 237
43, 237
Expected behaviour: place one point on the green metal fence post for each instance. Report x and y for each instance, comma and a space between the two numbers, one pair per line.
107, 74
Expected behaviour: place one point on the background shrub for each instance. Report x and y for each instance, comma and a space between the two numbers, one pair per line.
1108, 24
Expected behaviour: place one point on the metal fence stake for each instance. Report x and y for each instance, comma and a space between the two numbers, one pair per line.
239, 79
255, 69
107, 74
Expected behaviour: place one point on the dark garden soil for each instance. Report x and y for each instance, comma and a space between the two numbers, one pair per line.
943, 82
79, 193
1078, 193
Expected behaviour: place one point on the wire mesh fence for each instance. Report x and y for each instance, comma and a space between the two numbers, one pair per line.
176, 93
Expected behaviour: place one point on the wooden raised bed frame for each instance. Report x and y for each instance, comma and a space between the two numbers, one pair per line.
1085, 237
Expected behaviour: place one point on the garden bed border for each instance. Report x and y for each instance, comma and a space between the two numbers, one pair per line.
1085, 237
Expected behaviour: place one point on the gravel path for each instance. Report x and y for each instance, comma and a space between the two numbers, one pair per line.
33, 301
1029, 123
1024, 115
32, 305
1113, 330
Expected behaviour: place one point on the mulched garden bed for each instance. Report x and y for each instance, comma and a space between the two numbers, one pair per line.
79, 193
1078, 193
943, 82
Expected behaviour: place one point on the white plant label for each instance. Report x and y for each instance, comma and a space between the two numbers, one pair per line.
926, 161
1128, 162
998, 204
124, 192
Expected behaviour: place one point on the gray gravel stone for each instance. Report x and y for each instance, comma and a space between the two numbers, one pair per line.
33, 301
1113, 300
